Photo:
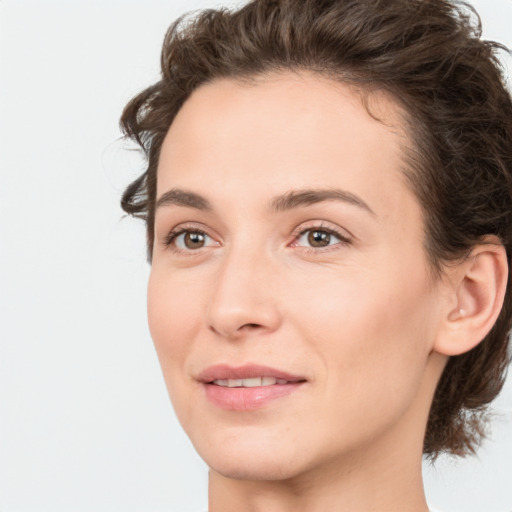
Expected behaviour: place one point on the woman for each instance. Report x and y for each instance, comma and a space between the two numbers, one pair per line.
328, 205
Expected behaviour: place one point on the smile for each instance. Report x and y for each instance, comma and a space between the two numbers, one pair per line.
247, 388
249, 383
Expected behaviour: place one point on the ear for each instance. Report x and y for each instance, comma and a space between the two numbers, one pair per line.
477, 291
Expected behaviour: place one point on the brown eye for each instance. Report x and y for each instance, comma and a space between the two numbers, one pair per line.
193, 240
188, 240
319, 238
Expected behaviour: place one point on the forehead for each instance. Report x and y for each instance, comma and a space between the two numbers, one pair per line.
286, 131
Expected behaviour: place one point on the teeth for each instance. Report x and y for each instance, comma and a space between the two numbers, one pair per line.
249, 383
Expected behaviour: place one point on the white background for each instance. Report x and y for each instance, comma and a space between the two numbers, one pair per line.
85, 422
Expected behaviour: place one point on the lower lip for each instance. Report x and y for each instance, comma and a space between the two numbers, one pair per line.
248, 399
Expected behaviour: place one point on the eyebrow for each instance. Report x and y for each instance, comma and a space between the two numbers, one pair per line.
185, 198
287, 201
297, 198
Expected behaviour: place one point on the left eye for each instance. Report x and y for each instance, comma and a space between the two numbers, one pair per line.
319, 238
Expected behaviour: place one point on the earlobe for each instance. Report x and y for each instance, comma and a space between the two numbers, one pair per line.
479, 283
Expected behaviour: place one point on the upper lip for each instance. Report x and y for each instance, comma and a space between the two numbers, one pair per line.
224, 372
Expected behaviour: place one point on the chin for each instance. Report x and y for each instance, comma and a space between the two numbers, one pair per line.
253, 461
254, 470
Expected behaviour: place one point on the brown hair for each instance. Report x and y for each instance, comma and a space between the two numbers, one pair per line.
429, 56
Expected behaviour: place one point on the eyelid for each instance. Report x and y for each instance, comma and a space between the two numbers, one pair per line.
186, 227
344, 237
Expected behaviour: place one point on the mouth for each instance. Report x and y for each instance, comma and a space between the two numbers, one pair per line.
251, 382
247, 388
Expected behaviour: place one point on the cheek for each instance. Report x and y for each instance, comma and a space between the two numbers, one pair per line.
172, 317
173, 323
372, 334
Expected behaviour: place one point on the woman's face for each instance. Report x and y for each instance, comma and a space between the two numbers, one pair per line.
287, 238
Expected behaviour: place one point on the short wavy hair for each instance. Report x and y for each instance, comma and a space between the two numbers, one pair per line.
429, 56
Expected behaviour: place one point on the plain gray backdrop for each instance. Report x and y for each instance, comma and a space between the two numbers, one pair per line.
85, 422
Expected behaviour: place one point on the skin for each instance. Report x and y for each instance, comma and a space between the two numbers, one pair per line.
359, 319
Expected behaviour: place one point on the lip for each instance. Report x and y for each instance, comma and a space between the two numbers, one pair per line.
246, 399
224, 371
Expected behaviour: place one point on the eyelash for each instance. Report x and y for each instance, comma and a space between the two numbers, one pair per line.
171, 237
343, 239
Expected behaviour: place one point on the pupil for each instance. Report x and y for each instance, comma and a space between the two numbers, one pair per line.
319, 238
194, 240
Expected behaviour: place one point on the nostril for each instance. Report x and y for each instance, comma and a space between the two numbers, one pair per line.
251, 326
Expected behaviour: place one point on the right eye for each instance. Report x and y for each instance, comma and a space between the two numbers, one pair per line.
186, 240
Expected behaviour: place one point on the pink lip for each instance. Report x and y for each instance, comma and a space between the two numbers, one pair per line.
246, 399
224, 371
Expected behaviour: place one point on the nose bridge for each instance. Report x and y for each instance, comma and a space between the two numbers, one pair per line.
243, 297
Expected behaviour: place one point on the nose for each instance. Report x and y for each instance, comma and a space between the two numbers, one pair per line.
244, 300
